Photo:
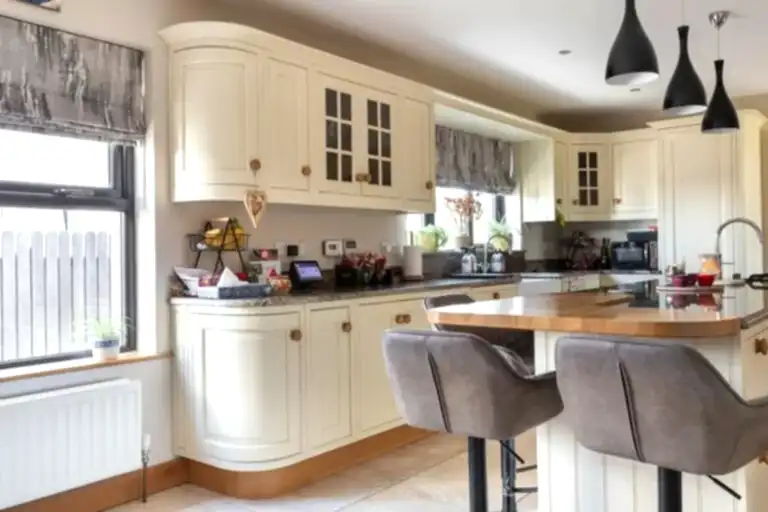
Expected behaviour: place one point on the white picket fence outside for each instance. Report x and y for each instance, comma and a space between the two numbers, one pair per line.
53, 286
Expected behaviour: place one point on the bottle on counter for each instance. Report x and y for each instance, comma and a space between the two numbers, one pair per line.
498, 262
468, 262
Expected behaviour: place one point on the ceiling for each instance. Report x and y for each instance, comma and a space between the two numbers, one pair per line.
514, 44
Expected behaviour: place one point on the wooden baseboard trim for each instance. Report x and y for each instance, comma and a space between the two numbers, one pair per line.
112, 492
269, 484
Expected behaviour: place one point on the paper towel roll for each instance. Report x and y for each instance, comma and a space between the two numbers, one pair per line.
412, 263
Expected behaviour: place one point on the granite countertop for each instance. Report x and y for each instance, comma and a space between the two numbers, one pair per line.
299, 298
638, 311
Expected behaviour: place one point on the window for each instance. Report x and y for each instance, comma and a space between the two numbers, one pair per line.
67, 239
494, 208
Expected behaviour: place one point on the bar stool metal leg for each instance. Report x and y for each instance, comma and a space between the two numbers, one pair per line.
508, 476
478, 481
670, 490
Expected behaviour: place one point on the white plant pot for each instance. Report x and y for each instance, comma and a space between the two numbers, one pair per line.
106, 350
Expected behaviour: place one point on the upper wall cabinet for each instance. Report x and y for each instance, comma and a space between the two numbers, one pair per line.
542, 167
634, 165
589, 181
249, 109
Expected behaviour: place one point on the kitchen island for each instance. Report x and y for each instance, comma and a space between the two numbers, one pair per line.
729, 328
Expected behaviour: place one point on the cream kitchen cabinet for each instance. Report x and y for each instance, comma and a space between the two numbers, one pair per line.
216, 151
328, 371
251, 110
635, 170
238, 386
589, 181
494, 292
705, 180
543, 169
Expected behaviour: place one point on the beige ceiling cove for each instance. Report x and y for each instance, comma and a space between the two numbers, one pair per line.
515, 43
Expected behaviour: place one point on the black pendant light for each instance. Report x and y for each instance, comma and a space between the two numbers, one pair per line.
685, 93
632, 60
721, 116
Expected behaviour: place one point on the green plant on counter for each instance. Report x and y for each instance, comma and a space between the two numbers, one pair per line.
502, 233
432, 238
559, 217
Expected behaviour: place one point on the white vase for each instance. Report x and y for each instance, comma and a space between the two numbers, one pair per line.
106, 349
463, 241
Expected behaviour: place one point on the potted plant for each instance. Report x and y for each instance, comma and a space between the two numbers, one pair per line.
501, 233
106, 337
433, 238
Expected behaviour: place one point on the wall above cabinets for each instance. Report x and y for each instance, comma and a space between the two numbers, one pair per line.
251, 110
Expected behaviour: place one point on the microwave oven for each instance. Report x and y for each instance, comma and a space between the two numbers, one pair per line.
635, 255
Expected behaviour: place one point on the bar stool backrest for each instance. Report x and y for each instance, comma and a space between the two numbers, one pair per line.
652, 401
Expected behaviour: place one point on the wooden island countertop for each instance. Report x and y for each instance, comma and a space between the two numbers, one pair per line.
599, 312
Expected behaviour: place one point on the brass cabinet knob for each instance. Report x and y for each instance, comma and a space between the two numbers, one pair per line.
398, 319
429, 185
406, 319
255, 164
346, 326
402, 319
306, 170
761, 346
296, 335
558, 201
496, 295
763, 459
575, 202
367, 178
362, 177
616, 200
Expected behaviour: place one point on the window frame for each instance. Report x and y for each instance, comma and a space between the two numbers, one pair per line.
499, 212
119, 197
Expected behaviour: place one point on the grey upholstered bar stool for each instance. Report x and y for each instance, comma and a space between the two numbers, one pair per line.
661, 403
458, 383
519, 342
519, 345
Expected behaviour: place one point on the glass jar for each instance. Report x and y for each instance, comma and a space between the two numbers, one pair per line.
709, 264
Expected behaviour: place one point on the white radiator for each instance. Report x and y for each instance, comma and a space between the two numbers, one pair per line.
58, 440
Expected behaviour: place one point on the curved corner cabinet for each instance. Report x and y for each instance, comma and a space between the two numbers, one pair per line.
249, 109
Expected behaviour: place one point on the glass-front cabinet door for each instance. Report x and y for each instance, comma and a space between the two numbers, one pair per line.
334, 144
587, 179
380, 119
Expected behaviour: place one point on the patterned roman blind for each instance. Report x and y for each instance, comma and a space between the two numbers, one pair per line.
57, 82
473, 162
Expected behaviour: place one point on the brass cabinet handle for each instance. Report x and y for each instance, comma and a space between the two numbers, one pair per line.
361, 177
761, 346
429, 185
616, 200
306, 170
346, 326
255, 164
402, 319
575, 202
406, 319
559, 201
398, 319
296, 335
496, 295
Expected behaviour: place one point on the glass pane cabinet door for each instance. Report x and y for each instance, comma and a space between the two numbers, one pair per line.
586, 190
379, 146
336, 140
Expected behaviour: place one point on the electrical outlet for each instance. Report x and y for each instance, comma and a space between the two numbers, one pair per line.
280, 247
292, 250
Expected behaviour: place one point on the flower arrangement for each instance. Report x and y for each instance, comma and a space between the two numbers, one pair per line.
465, 209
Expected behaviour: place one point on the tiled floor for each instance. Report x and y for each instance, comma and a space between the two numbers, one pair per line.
427, 476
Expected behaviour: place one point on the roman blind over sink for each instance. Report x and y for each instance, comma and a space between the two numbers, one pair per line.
473, 162
58, 82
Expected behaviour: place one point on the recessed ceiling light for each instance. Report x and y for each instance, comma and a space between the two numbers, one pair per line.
564, 51
635, 89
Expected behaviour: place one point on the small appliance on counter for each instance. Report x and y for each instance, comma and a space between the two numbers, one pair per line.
639, 252
305, 274
413, 264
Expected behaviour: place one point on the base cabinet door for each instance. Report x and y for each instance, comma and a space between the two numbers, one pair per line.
248, 365
328, 394
375, 408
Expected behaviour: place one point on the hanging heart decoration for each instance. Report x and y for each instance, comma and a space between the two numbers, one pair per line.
255, 204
